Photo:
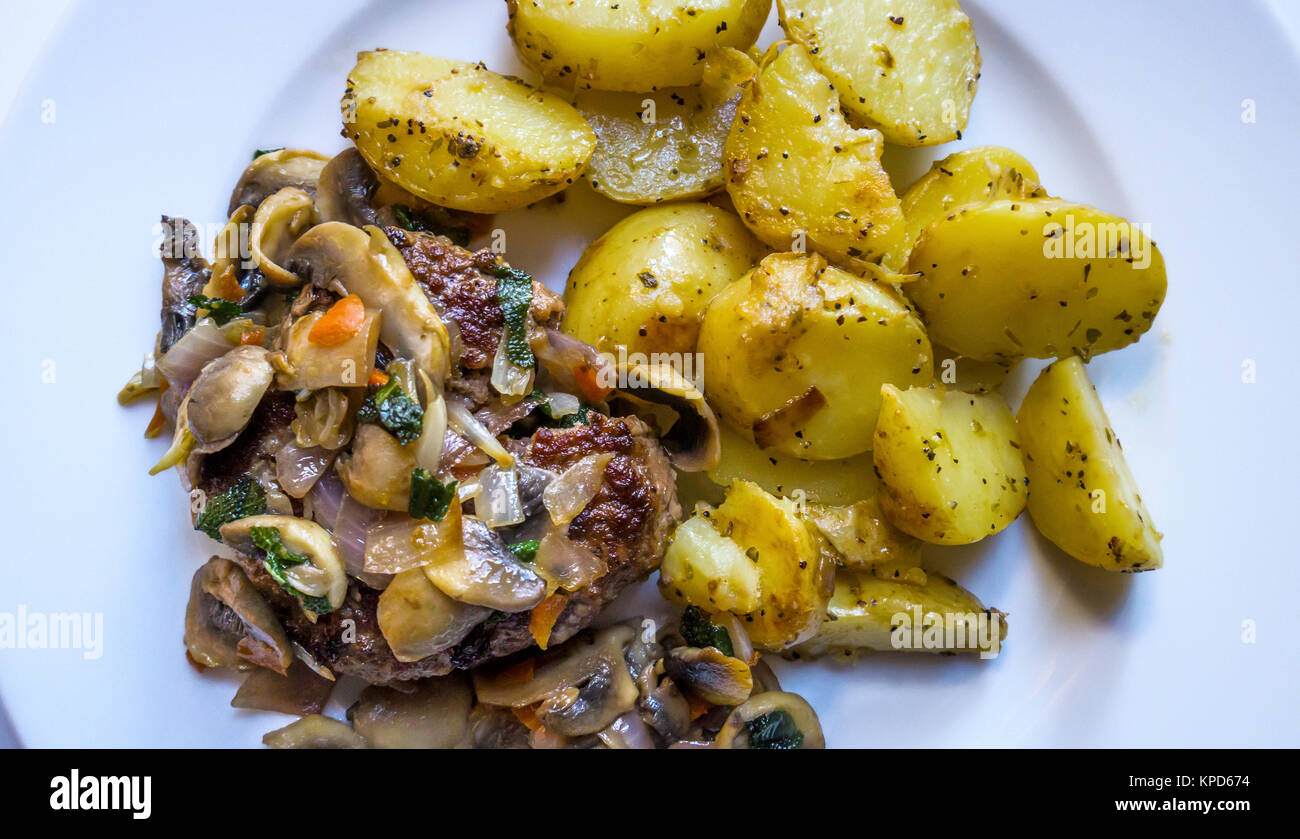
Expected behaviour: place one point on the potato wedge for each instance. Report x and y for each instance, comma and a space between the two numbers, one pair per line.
636, 46
949, 464
909, 68
755, 557
459, 135
862, 537
803, 178
796, 350
1041, 278
970, 176
932, 615
1082, 495
819, 481
644, 284
658, 147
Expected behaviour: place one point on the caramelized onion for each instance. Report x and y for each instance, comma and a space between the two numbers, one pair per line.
570, 493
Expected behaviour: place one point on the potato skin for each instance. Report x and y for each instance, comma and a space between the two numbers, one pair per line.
646, 282
860, 615
795, 323
1004, 280
794, 579
459, 135
797, 171
630, 46
1082, 495
949, 464
909, 68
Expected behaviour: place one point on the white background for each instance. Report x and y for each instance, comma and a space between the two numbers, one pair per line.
1134, 107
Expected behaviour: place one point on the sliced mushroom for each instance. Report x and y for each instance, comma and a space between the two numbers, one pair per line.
496, 728
774, 716
278, 223
322, 575
689, 428
485, 572
300, 691
347, 189
305, 364
667, 711
224, 396
229, 624
417, 620
377, 471
711, 675
185, 273
269, 173
349, 260
314, 732
228, 254
434, 716
582, 689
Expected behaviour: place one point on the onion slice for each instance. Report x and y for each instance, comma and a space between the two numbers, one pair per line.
567, 496
297, 469
566, 563
464, 424
497, 503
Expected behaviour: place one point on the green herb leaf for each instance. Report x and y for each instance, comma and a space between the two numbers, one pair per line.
699, 631
515, 297
415, 222
430, 497
278, 557
244, 498
390, 407
525, 551
222, 311
259, 152
774, 730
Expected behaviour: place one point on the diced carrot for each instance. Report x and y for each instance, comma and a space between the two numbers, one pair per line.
340, 322
252, 337
528, 716
698, 706
544, 616
589, 384
378, 378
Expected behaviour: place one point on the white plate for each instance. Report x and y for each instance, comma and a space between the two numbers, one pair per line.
1137, 108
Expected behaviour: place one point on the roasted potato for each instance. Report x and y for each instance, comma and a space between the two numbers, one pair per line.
1082, 495
949, 464
803, 178
862, 536
927, 612
969, 374
1010, 278
752, 556
459, 135
637, 46
796, 350
906, 67
970, 176
820, 481
646, 282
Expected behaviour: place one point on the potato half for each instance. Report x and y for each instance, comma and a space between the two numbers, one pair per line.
961, 372
801, 177
755, 557
907, 67
865, 609
1041, 278
646, 282
636, 45
795, 352
970, 176
459, 135
820, 481
949, 464
1082, 495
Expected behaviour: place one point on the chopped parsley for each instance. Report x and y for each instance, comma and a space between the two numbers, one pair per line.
244, 498
277, 559
430, 497
701, 632
389, 406
774, 730
222, 311
525, 551
515, 297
